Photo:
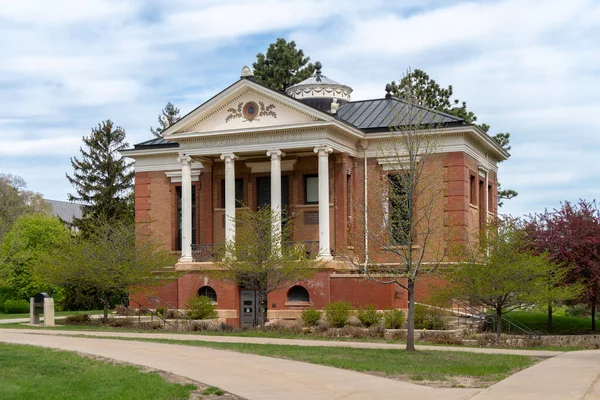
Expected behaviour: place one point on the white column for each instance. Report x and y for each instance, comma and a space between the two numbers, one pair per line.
229, 196
186, 208
324, 247
276, 196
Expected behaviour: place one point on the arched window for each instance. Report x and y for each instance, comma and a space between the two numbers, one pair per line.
298, 293
208, 292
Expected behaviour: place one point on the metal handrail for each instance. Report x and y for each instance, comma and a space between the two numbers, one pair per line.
152, 313
155, 299
206, 252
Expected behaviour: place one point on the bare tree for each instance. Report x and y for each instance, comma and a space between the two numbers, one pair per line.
403, 233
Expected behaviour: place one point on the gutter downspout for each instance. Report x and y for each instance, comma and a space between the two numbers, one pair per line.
364, 144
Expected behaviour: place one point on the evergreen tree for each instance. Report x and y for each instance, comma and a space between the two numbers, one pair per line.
103, 181
283, 66
418, 88
167, 117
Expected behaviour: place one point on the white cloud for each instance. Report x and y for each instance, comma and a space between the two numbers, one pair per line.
524, 66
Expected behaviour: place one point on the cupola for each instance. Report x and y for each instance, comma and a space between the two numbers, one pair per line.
320, 92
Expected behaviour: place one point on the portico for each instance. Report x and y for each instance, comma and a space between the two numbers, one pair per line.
275, 156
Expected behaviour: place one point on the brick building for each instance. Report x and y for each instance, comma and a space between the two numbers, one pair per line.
305, 151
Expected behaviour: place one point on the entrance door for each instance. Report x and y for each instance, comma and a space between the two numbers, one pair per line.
247, 308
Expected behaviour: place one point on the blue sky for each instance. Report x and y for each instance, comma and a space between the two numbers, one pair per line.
531, 68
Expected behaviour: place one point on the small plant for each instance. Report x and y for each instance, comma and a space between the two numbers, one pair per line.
368, 316
120, 309
201, 307
338, 313
429, 318
19, 306
160, 311
213, 390
311, 317
393, 319
77, 319
120, 322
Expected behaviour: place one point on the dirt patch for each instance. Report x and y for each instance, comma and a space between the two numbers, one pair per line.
451, 382
171, 378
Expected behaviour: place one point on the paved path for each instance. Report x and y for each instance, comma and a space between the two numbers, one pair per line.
568, 376
296, 342
249, 376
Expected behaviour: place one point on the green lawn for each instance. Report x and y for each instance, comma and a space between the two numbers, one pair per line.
32, 372
56, 314
562, 325
450, 368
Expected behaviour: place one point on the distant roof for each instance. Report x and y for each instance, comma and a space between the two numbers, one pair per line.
379, 114
156, 143
65, 210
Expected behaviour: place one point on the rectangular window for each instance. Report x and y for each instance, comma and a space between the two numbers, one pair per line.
473, 190
239, 192
400, 205
311, 189
490, 199
180, 216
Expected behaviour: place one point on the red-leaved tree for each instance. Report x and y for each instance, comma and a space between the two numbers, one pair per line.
571, 236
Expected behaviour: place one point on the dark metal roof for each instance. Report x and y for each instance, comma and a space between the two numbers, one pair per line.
381, 114
155, 143
65, 210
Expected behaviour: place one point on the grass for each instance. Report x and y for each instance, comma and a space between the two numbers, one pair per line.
561, 324
56, 314
213, 390
32, 372
451, 368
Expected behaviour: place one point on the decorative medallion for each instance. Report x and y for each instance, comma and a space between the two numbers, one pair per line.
251, 111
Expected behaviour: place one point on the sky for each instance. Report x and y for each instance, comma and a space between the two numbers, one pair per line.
531, 68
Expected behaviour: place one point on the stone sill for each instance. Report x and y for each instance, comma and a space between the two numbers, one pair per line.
297, 303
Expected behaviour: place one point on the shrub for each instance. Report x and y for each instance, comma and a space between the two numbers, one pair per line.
429, 318
120, 322
12, 306
393, 319
77, 319
440, 338
120, 309
368, 316
311, 317
201, 307
338, 313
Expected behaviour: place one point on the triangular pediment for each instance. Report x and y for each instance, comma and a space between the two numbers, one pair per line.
246, 106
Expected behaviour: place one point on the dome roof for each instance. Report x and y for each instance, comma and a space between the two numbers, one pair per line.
319, 90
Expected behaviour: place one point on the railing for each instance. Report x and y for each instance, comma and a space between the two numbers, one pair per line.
479, 314
211, 252
208, 252
156, 301
146, 309
311, 247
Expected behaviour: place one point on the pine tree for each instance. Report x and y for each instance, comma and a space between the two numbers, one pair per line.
418, 88
103, 181
167, 117
283, 66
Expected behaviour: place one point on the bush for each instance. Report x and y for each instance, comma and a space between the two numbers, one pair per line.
311, 317
12, 306
368, 316
393, 319
338, 313
120, 322
201, 307
77, 319
429, 318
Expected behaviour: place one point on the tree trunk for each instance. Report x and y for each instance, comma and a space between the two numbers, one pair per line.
550, 317
593, 315
498, 325
262, 308
105, 317
410, 322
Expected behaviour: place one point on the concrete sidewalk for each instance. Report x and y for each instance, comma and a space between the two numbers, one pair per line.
249, 376
294, 342
571, 375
